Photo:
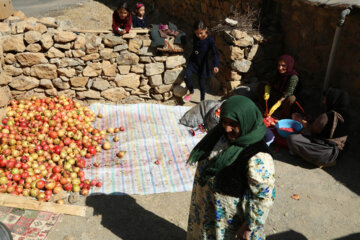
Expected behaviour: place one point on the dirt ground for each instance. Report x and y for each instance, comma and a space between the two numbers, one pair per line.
98, 16
328, 208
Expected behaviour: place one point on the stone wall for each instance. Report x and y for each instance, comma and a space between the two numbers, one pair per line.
239, 53
43, 57
308, 35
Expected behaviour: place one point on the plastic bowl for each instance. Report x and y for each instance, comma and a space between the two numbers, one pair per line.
288, 123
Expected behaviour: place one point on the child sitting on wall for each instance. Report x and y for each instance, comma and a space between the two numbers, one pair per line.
139, 17
122, 19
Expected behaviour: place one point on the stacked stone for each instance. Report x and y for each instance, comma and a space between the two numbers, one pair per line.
4, 89
43, 57
237, 51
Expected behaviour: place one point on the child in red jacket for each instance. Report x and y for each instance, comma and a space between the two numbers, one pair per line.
122, 19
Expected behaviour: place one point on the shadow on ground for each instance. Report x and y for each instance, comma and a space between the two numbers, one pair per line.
292, 235
288, 235
355, 236
129, 221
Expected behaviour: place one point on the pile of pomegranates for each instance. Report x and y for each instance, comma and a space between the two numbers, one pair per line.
43, 143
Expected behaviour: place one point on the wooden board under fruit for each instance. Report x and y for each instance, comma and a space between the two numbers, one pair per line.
8, 200
89, 31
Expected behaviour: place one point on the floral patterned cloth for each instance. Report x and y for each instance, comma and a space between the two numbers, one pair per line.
217, 216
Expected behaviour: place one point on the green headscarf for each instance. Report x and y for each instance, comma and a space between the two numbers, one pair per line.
242, 110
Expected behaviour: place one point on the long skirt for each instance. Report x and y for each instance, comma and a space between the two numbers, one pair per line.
311, 151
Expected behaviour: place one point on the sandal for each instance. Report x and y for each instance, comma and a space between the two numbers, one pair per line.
330, 164
187, 98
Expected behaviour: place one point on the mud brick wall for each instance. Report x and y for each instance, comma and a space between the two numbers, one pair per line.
308, 35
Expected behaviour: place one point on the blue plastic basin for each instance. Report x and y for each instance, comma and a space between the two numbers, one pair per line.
288, 123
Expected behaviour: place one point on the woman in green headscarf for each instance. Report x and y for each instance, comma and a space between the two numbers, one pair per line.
234, 182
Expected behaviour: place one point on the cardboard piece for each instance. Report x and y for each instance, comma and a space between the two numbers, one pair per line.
6, 9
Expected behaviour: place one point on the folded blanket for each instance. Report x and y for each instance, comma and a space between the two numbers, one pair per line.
158, 41
168, 33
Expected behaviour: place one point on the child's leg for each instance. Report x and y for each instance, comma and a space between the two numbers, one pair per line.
188, 74
202, 82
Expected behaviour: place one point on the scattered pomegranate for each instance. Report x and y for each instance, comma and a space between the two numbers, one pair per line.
43, 143
121, 154
85, 192
106, 146
93, 182
295, 196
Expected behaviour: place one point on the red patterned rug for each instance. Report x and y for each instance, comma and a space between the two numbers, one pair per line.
28, 224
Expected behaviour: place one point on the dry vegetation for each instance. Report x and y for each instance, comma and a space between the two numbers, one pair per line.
248, 20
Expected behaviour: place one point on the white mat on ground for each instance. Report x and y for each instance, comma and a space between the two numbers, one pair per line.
156, 146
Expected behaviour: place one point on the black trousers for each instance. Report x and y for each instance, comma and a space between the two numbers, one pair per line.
190, 70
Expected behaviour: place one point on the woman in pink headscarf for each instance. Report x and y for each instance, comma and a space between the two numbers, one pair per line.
284, 85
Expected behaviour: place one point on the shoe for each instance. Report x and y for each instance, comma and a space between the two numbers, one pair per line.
187, 98
330, 164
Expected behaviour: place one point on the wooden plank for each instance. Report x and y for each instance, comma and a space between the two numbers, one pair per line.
8, 200
48, 24
139, 30
129, 35
132, 31
58, 196
90, 31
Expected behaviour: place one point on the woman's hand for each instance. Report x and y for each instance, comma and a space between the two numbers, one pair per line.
244, 232
304, 123
216, 70
297, 117
282, 99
